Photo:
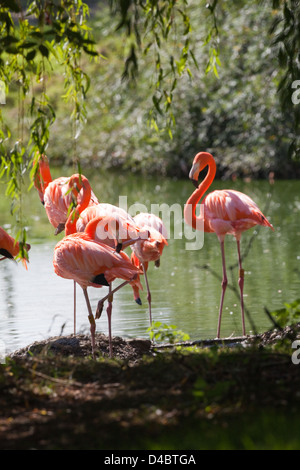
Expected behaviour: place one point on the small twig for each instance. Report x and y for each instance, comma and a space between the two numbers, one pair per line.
53, 379
208, 342
270, 316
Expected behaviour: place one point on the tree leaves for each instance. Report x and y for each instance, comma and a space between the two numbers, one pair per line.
41, 33
285, 29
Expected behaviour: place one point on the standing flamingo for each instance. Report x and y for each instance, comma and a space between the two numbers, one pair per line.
55, 194
90, 263
58, 195
10, 248
223, 212
150, 249
117, 229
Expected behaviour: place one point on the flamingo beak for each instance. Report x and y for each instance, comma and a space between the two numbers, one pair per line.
194, 173
195, 182
119, 247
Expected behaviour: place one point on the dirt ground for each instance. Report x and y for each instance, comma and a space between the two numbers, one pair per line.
54, 396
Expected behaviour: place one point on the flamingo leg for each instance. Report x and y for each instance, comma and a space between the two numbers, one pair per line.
101, 301
148, 293
74, 315
122, 245
241, 285
109, 312
91, 320
224, 285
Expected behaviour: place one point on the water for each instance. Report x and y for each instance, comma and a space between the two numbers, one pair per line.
37, 304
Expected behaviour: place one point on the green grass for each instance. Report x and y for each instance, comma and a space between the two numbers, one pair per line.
201, 399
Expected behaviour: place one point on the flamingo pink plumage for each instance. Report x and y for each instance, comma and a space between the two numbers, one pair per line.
223, 212
58, 195
10, 248
121, 227
90, 263
117, 229
150, 249
55, 194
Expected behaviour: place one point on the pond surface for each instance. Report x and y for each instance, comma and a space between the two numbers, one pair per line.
36, 304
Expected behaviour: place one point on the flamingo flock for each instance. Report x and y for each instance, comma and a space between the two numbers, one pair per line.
91, 253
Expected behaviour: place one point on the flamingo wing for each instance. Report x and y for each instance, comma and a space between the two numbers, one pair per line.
9, 247
57, 201
117, 223
90, 263
147, 219
229, 211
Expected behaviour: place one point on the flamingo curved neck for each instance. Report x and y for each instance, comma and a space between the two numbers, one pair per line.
191, 204
76, 183
42, 176
44, 171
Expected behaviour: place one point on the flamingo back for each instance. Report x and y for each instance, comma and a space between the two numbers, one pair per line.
229, 211
84, 260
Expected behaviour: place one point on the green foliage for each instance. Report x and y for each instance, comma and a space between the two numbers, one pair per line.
41, 36
287, 315
196, 75
159, 332
211, 393
238, 116
285, 30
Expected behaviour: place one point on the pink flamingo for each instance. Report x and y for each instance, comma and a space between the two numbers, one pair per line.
223, 212
10, 248
149, 249
58, 195
118, 229
55, 194
90, 263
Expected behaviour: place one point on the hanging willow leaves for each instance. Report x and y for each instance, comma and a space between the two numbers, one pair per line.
285, 30
37, 36
41, 34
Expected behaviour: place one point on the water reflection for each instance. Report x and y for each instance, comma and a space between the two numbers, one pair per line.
36, 304
6, 290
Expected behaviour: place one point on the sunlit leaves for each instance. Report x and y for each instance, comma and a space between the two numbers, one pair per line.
285, 30
161, 28
41, 35
159, 332
287, 315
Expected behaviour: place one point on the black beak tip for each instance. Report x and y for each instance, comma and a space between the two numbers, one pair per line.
119, 247
195, 182
138, 301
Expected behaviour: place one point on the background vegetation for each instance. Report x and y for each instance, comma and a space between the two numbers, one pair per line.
143, 86
227, 101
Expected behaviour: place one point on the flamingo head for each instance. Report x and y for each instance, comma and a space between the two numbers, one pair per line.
201, 160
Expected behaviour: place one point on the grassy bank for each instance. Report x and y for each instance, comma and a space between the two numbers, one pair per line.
191, 398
